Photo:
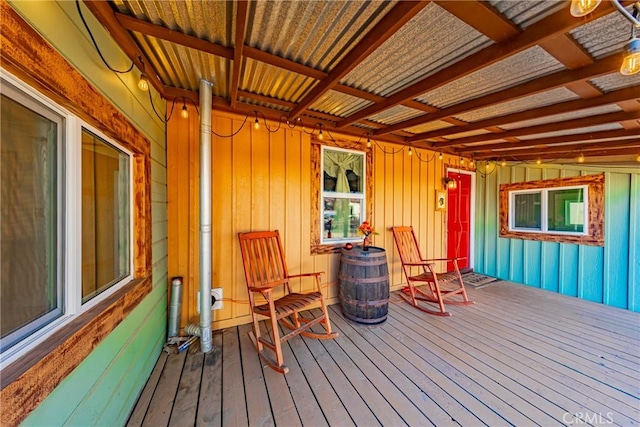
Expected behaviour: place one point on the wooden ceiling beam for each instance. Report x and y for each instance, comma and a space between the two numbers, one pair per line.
548, 127
107, 17
586, 138
535, 154
483, 17
158, 31
629, 94
401, 13
241, 24
557, 23
567, 51
573, 148
532, 87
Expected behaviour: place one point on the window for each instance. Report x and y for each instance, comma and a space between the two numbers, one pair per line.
66, 227
342, 187
343, 194
568, 210
555, 210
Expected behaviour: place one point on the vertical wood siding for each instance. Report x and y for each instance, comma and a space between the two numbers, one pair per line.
262, 180
608, 274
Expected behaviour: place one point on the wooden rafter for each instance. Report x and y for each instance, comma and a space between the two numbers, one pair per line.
241, 23
548, 127
541, 84
621, 95
557, 23
563, 150
401, 13
583, 138
483, 17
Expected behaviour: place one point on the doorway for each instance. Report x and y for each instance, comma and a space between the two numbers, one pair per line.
460, 218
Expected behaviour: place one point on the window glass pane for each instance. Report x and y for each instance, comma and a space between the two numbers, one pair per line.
343, 171
566, 210
527, 211
105, 215
342, 217
30, 293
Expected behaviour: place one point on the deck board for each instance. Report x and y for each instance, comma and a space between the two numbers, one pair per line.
520, 356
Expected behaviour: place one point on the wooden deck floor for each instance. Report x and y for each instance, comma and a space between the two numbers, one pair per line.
520, 356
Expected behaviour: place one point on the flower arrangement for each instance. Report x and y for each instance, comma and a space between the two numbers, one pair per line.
366, 230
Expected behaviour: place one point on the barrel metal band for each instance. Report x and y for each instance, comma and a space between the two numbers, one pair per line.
378, 261
376, 279
372, 303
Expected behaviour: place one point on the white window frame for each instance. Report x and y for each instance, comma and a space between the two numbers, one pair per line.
69, 245
334, 194
544, 214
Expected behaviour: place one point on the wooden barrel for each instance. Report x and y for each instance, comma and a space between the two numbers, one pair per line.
364, 284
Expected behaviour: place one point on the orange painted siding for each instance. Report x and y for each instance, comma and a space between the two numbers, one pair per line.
262, 180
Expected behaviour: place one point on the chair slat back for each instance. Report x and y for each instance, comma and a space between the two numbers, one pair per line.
407, 244
262, 257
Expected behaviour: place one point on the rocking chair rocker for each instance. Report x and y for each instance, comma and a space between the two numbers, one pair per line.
266, 271
441, 286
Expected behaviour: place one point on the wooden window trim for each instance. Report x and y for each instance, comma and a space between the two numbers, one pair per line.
318, 248
595, 236
28, 381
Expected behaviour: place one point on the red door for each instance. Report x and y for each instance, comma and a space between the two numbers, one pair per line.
458, 219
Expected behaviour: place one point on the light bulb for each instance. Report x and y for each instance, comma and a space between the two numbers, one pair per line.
256, 124
503, 163
143, 83
638, 158
581, 158
320, 135
410, 152
368, 143
583, 7
538, 162
184, 113
461, 161
440, 156
471, 162
631, 62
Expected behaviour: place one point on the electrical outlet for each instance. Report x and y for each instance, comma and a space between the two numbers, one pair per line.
216, 298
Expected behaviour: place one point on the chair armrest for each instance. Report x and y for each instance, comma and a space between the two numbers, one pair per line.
317, 274
418, 264
268, 287
445, 259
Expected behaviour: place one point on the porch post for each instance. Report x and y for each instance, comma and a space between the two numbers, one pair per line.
205, 216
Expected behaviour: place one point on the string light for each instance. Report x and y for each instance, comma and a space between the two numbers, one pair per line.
440, 156
410, 152
503, 162
368, 141
256, 123
539, 162
143, 83
581, 158
320, 135
462, 160
184, 113
471, 162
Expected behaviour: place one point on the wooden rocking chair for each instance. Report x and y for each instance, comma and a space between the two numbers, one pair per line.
441, 286
266, 273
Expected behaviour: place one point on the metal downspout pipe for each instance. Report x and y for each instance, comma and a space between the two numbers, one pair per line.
205, 215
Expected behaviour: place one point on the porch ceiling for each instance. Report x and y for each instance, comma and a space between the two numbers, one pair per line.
490, 80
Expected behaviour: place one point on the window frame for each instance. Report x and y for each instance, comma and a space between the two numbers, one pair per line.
593, 233
318, 246
69, 215
544, 210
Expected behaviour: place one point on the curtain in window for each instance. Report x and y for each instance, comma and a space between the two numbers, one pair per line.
336, 165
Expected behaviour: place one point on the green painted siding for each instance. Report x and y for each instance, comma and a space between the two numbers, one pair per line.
608, 275
104, 388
